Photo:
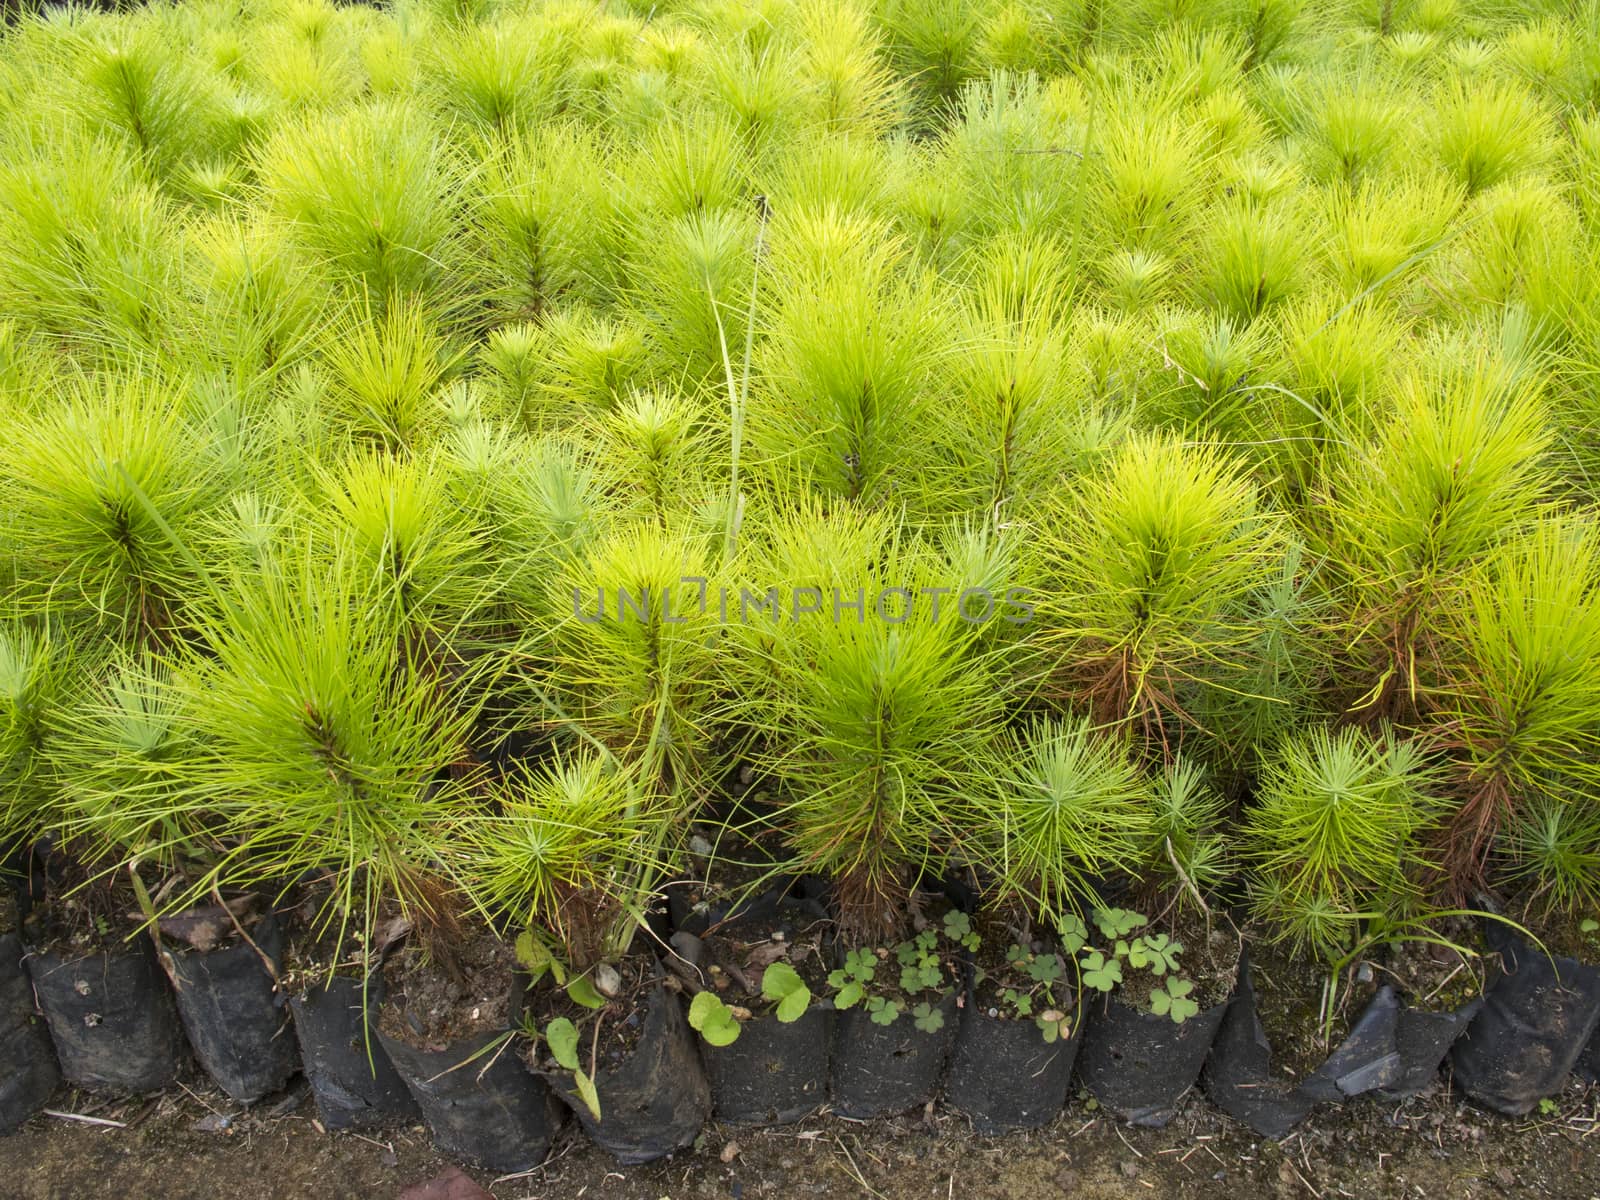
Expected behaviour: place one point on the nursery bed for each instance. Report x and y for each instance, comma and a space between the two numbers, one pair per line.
1429, 1146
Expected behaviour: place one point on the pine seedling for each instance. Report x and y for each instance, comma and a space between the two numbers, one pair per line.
1457, 469
395, 519
691, 163
1523, 247
691, 279
500, 78
257, 303
1213, 362
661, 451
119, 755
1335, 833
759, 91
1151, 171
1489, 132
327, 743
1021, 169
89, 252
171, 112
1525, 684
1064, 808
828, 170
567, 854
935, 46
1350, 126
1268, 27
1552, 849
585, 363
869, 705
1009, 427
846, 365
1384, 228
545, 214
40, 677
1253, 257
384, 370
1187, 855
90, 483
1153, 561
372, 194
304, 60
1282, 677
629, 659
848, 84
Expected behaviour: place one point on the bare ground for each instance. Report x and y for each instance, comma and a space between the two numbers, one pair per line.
194, 1145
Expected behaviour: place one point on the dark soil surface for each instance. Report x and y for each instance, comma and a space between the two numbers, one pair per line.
1434, 975
606, 1036
1289, 994
1209, 959
198, 1146
426, 1006
738, 954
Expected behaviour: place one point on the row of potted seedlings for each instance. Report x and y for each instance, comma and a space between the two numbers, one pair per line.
559, 980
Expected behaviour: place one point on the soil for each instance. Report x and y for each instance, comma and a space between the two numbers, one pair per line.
1562, 935
101, 915
198, 1146
1434, 977
995, 973
929, 915
1209, 960
728, 868
738, 954
1289, 990
428, 1007
608, 1035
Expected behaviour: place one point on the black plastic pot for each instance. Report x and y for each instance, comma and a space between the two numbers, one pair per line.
479, 1102
28, 1071
687, 918
1587, 1068
655, 1102
1139, 1065
1003, 1074
111, 1018
1423, 1039
235, 1015
1239, 1079
774, 1073
352, 1080
880, 1070
1536, 1021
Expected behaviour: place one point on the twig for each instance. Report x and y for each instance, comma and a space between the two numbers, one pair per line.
249, 941
81, 1119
